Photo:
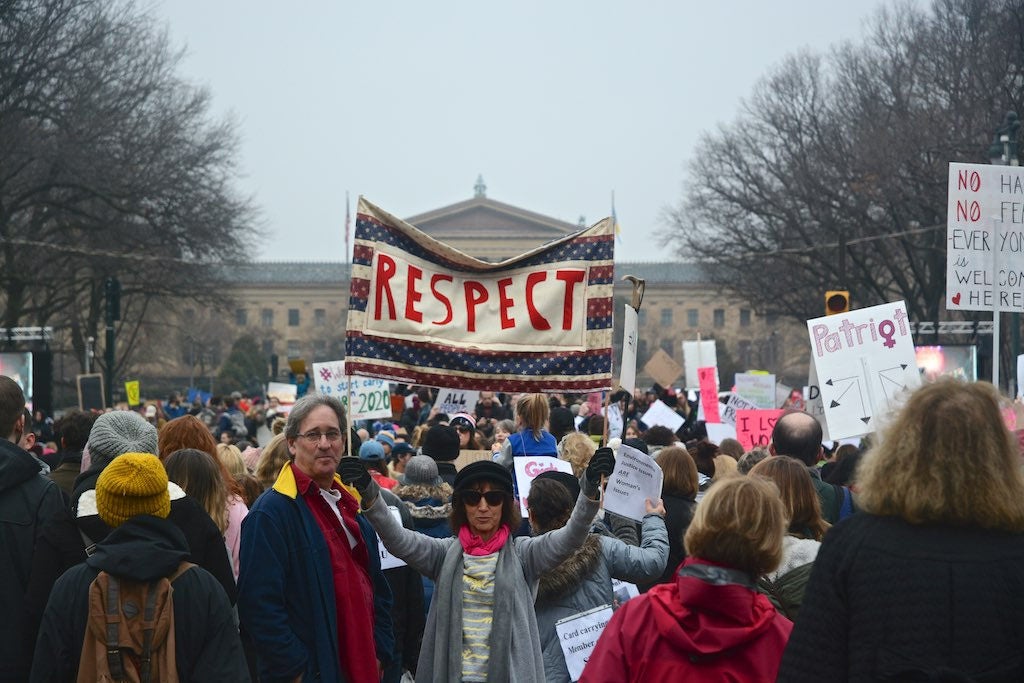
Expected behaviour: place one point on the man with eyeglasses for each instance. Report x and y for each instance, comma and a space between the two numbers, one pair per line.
311, 594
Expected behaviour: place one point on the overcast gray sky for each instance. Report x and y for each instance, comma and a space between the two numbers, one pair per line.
555, 103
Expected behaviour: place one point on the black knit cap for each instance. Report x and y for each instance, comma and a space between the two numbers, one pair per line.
441, 443
483, 470
565, 479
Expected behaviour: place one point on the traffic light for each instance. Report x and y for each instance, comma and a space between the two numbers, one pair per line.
837, 301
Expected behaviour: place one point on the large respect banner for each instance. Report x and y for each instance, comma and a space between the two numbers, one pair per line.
422, 312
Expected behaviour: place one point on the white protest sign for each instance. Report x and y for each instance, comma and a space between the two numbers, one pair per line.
1020, 374
578, 635
451, 401
757, 388
865, 364
371, 398
284, 393
387, 560
698, 354
527, 467
660, 414
735, 402
630, 339
782, 393
719, 431
812, 402
615, 422
636, 477
623, 590
985, 227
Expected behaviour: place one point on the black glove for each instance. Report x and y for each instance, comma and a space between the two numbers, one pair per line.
601, 464
353, 473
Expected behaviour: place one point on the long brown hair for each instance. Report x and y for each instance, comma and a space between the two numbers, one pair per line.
946, 458
798, 495
680, 472
198, 473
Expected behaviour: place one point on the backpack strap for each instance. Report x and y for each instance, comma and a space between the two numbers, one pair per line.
847, 508
114, 661
148, 614
182, 568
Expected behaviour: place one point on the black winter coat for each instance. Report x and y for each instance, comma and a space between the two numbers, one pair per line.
27, 498
888, 600
60, 546
144, 548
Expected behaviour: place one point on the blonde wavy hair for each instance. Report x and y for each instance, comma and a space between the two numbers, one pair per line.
275, 454
576, 448
946, 458
740, 523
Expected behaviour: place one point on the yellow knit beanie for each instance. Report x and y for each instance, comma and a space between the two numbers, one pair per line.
132, 484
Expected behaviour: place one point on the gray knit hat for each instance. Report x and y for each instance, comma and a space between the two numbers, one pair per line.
421, 470
120, 432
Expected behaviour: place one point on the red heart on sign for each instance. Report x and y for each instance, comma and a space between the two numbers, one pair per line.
956, 299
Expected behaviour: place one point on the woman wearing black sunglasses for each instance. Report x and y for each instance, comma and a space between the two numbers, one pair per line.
482, 625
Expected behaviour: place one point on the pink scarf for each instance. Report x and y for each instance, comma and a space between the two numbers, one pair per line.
476, 546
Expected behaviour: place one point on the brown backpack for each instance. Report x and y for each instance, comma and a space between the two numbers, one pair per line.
129, 635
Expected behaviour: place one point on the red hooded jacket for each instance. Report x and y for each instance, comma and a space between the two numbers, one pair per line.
709, 625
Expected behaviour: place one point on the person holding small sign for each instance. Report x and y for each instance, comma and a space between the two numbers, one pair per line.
584, 580
481, 625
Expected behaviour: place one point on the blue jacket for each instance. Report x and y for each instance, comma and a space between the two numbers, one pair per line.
286, 588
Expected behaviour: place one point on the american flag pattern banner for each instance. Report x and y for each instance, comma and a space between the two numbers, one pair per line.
422, 312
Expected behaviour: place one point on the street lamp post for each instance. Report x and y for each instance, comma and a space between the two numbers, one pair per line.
1003, 152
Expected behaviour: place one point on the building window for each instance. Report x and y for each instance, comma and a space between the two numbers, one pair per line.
771, 319
293, 317
641, 317
319, 317
666, 317
719, 317
693, 317
267, 317
641, 351
667, 345
743, 353
241, 317
744, 317
268, 347
294, 348
319, 349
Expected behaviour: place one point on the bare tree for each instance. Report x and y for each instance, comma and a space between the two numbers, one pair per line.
110, 165
835, 172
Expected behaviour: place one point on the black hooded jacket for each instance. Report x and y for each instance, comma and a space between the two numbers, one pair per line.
144, 548
27, 498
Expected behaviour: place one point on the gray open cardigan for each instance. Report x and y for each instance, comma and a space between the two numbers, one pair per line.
514, 631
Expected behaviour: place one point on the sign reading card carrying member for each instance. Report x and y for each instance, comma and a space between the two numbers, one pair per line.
636, 477
578, 635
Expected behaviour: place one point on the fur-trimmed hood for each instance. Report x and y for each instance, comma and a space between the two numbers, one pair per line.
425, 501
568, 576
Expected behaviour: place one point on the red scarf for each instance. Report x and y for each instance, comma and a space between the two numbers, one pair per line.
476, 546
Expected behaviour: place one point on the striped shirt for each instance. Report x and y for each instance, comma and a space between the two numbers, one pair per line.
477, 611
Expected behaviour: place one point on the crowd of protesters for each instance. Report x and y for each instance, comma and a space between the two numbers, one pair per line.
899, 559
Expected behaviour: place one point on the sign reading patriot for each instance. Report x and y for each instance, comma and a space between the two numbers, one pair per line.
422, 312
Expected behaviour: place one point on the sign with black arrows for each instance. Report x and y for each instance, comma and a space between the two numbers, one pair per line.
864, 361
